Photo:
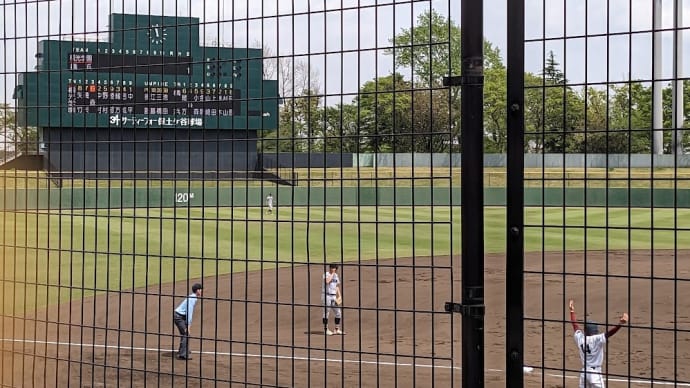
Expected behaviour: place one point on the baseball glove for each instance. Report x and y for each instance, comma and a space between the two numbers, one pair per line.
338, 300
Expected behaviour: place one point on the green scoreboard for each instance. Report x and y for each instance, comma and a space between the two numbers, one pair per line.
152, 73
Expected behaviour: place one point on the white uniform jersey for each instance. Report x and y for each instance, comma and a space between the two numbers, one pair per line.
330, 288
328, 295
591, 348
269, 201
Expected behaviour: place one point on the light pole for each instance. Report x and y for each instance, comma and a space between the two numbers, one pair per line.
657, 85
678, 115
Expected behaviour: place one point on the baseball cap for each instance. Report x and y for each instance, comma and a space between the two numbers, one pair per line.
591, 328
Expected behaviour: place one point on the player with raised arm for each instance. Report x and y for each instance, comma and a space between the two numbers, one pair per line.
591, 345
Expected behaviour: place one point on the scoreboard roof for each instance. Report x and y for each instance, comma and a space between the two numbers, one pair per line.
152, 73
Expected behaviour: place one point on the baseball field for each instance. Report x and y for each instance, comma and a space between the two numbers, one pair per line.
70, 254
88, 295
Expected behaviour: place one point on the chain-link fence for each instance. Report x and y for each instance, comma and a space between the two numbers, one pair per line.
268, 193
600, 77
180, 203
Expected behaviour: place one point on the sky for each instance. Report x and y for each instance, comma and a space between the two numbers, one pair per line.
333, 31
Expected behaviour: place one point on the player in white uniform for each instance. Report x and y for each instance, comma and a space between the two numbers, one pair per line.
330, 291
591, 345
269, 203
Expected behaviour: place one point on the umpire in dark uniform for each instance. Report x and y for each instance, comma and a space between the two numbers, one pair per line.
182, 317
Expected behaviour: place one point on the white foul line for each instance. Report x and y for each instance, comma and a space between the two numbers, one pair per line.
234, 354
528, 371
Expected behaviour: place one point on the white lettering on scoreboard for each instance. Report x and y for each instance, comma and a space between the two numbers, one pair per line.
160, 121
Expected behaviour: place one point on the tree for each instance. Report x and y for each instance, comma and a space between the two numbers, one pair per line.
17, 138
385, 105
341, 131
431, 130
597, 136
293, 75
299, 122
554, 112
630, 110
297, 83
552, 74
495, 126
564, 110
431, 50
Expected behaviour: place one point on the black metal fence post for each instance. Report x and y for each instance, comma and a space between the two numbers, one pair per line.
472, 193
515, 194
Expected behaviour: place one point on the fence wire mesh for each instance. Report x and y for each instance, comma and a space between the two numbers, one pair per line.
605, 215
150, 146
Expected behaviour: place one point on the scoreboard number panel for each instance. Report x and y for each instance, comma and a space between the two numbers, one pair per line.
157, 100
122, 63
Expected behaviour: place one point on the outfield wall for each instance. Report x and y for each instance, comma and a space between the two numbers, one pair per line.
531, 160
305, 160
103, 198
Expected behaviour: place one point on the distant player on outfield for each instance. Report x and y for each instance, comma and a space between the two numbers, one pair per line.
331, 298
269, 203
182, 317
591, 346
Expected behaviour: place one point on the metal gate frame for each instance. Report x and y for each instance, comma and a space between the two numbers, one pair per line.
514, 194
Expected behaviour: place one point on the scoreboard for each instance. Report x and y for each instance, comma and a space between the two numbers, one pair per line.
152, 73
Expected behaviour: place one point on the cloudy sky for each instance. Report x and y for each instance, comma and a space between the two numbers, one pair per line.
333, 30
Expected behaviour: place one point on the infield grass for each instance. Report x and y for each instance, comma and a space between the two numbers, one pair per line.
49, 257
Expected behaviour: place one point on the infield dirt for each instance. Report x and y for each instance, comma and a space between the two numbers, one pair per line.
264, 327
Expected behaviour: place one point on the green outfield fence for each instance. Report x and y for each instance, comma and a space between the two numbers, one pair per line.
116, 198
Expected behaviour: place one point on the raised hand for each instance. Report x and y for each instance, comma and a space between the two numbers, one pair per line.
624, 318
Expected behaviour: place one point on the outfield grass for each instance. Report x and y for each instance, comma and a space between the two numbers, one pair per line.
104, 250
